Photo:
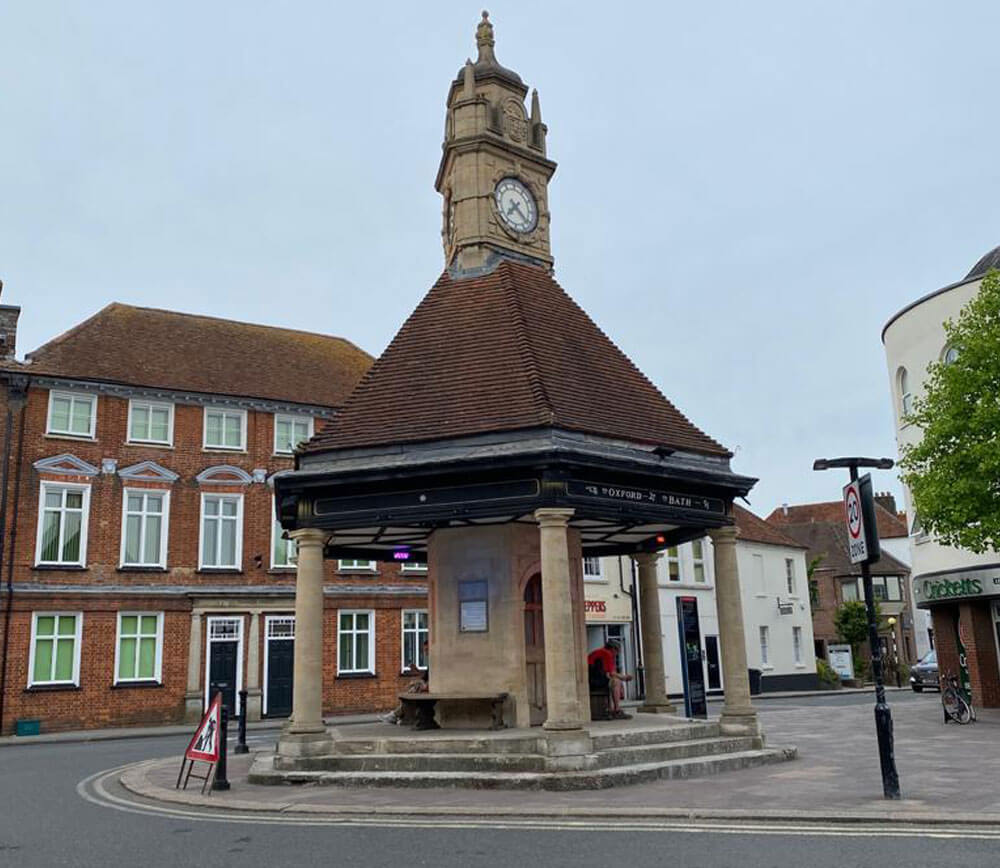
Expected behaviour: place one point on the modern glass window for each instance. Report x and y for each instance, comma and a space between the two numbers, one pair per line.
414, 635
591, 569
140, 646
698, 557
355, 564
150, 422
797, 644
765, 646
290, 431
790, 575
62, 525
225, 428
221, 531
72, 414
55, 648
146, 515
673, 564
851, 591
284, 552
905, 396
887, 588
356, 642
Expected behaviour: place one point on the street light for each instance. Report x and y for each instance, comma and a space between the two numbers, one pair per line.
883, 716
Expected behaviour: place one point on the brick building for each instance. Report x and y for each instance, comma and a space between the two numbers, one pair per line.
142, 567
835, 580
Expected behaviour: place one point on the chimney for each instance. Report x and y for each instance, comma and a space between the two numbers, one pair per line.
8, 329
887, 501
784, 508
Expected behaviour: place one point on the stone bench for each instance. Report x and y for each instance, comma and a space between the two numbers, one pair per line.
418, 708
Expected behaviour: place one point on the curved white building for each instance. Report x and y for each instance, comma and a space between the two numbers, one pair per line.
961, 589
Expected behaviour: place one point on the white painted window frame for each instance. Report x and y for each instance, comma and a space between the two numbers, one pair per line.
764, 636
211, 619
370, 669
797, 645
84, 523
371, 568
206, 495
158, 662
409, 567
77, 643
142, 441
402, 636
674, 559
699, 562
276, 534
593, 577
791, 580
292, 417
73, 396
268, 621
164, 526
905, 394
229, 411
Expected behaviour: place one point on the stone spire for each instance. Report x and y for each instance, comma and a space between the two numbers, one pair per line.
485, 41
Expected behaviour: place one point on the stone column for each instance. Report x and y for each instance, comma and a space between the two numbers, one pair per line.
738, 715
561, 695
194, 701
254, 694
651, 626
305, 733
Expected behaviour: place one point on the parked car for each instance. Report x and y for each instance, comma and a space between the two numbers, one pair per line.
925, 673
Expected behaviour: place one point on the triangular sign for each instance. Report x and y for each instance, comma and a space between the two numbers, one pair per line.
204, 744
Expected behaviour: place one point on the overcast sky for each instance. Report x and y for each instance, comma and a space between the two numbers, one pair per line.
746, 192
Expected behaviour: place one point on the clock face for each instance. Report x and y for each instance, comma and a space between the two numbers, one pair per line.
516, 205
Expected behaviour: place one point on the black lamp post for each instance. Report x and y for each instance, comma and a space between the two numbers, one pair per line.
883, 716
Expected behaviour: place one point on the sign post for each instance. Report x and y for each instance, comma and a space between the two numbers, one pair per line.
863, 548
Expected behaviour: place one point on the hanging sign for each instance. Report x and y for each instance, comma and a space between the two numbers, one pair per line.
859, 511
204, 745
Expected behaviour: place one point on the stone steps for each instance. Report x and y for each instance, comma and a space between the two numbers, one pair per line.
263, 773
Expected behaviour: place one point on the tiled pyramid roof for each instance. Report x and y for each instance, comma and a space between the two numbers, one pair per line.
504, 351
168, 350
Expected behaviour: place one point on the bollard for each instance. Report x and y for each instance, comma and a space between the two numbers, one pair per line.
241, 737
221, 782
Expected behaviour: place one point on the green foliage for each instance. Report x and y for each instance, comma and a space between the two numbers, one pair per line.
813, 583
827, 677
953, 473
851, 624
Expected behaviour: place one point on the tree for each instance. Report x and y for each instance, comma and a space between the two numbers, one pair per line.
851, 623
953, 473
813, 583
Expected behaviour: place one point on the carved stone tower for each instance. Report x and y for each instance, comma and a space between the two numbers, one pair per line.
494, 174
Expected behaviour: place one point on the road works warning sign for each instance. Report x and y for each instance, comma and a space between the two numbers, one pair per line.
204, 745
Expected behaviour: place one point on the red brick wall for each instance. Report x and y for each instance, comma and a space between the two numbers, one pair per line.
95, 703
976, 629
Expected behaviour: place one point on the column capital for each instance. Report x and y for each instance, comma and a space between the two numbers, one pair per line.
724, 535
309, 536
646, 559
553, 516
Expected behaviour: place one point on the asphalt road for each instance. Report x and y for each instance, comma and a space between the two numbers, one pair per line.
46, 822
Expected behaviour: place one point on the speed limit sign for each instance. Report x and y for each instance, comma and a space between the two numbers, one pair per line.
859, 512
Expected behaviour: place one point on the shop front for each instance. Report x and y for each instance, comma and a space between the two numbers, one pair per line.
965, 607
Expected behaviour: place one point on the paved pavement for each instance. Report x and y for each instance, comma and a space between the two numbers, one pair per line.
945, 771
53, 813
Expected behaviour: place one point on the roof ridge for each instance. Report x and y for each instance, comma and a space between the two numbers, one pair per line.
524, 345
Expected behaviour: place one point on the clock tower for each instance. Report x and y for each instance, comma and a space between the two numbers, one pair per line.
494, 173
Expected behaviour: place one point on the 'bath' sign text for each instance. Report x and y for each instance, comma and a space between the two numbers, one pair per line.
647, 496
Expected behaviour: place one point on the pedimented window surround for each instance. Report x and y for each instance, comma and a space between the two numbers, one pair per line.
65, 464
148, 471
224, 474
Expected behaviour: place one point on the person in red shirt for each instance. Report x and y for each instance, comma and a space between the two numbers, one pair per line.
608, 655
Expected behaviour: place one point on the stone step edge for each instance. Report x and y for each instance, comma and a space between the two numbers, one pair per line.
717, 762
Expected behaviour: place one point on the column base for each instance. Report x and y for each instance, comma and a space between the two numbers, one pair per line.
739, 722
296, 745
254, 704
194, 707
562, 725
657, 708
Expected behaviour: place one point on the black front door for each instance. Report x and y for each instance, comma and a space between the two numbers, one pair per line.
280, 659
222, 672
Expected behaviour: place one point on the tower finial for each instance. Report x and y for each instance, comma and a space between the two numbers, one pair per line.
485, 40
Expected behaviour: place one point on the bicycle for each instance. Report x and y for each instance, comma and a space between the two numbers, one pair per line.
956, 706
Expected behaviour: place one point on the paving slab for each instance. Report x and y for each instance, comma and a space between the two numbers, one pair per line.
948, 774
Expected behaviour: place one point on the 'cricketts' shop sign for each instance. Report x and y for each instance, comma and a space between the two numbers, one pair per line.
964, 585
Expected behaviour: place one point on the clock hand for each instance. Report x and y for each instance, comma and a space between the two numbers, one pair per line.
517, 208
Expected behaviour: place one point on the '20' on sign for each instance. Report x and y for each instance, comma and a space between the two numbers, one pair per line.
859, 509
